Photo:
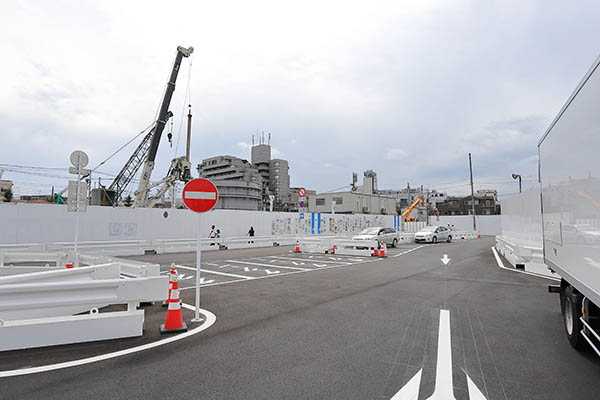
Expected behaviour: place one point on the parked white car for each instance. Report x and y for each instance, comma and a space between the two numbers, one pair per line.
382, 235
433, 234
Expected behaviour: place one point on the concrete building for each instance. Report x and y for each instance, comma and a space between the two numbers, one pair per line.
239, 183
5, 185
369, 182
279, 180
486, 203
352, 203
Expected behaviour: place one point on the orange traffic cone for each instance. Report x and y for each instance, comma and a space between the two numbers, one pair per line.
70, 265
333, 250
172, 278
383, 250
376, 251
298, 246
174, 322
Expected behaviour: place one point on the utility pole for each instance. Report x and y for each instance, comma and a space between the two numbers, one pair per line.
472, 194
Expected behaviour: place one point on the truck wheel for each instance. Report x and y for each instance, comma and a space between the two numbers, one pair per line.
571, 314
449, 238
394, 243
434, 239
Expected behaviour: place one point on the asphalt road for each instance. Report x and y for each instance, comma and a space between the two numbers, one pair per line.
351, 330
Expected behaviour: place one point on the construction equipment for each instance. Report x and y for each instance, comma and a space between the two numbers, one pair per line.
146, 151
406, 213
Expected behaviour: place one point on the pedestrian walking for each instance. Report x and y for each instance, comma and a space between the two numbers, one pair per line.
251, 233
212, 234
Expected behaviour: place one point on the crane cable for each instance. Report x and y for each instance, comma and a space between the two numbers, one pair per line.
186, 100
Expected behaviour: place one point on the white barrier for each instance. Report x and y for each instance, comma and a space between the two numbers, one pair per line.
354, 247
157, 246
524, 256
36, 308
316, 244
58, 259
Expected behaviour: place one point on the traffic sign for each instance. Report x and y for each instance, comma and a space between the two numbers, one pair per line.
302, 204
302, 215
301, 192
200, 195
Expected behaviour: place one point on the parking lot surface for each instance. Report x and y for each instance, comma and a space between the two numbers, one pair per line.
318, 326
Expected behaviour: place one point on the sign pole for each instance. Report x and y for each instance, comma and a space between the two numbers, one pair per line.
198, 266
77, 200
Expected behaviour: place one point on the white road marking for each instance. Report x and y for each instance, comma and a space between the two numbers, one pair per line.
410, 391
226, 274
287, 273
501, 265
212, 264
268, 265
445, 259
224, 266
269, 272
319, 265
247, 269
307, 259
443, 373
444, 389
296, 263
184, 267
408, 251
210, 320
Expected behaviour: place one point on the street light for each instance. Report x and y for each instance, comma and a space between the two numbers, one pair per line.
517, 176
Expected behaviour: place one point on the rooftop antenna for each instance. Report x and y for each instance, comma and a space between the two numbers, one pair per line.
252, 139
269, 138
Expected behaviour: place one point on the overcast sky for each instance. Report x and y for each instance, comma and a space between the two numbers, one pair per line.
406, 88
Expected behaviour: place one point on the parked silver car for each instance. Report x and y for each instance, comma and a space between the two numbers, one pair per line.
382, 235
433, 234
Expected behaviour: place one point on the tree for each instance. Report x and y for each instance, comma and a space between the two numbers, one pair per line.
8, 196
128, 201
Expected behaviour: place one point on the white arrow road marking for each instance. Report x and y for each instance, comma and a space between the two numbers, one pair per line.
204, 281
269, 272
184, 277
200, 195
445, 260
410, 391
296, 263
319, 265
443, 374
474, 392
247, 269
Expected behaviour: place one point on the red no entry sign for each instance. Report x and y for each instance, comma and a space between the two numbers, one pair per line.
200, 195
301, 192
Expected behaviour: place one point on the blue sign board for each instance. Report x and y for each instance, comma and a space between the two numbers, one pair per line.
301, 215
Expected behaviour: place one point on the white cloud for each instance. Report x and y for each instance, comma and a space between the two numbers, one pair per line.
395, 154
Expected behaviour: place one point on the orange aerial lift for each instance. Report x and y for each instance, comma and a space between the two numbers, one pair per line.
407, 212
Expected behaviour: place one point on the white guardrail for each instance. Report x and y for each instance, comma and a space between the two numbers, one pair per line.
524, 256
36, 309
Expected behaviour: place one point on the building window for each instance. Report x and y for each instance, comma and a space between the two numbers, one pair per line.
488, 203
337, 200
320, 202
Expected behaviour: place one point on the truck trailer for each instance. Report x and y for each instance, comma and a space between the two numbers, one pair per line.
569, 175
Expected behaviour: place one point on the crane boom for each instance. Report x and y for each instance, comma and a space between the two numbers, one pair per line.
141, 194
407, 212
120, 183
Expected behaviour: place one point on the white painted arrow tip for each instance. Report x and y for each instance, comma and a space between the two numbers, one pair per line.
474, 392
410, 391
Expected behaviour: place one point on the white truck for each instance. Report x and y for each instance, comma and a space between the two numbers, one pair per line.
569, 174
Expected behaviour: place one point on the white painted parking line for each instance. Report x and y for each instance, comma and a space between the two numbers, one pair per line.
268, 265
208, 271
408, 251
306, 259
